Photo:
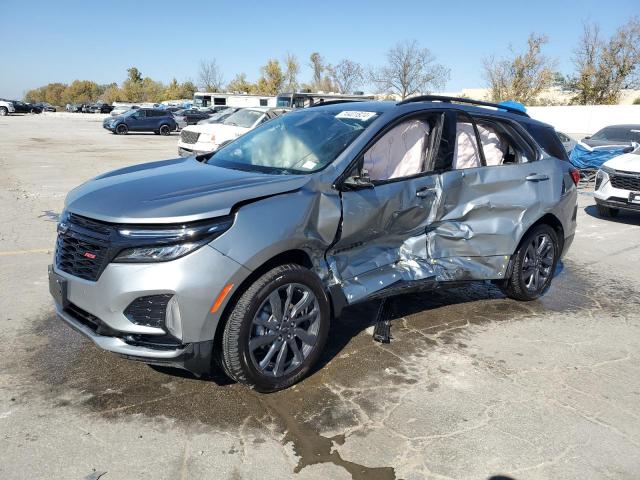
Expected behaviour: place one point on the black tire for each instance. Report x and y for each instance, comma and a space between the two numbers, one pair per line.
237, 359
122, 129
4, 111
165, 130
606, 211
527, 281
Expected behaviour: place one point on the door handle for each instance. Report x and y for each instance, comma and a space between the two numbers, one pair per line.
425, 192
537, 177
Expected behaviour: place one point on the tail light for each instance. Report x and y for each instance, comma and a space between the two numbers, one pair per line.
575, 175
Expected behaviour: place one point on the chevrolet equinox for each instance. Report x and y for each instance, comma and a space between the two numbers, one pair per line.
243, 257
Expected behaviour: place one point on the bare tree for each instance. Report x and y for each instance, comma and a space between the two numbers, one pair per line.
524, 76
316, 62
291, 70
410, 69
604, 68
347, 75
210, 76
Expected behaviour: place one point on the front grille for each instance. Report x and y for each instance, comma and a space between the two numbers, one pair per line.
189, 137
80, 258
149, 310
92, 225
626, 182
82, 247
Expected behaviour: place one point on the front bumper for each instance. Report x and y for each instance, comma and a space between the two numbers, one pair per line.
96, 309
195, 357
609, 196
109, 126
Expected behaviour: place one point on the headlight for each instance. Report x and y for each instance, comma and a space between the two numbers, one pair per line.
602, 177
161, 244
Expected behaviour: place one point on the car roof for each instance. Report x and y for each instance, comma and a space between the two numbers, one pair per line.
629, 126
398, 109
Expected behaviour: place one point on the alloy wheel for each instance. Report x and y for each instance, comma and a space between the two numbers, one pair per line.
284, 330
538, 263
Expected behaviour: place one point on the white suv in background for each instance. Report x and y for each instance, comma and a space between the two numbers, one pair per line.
201, 139
618, 185
6, 108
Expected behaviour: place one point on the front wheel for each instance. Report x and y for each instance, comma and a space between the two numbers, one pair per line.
122, 129
4, 111
277, 329
165, 130
534, 264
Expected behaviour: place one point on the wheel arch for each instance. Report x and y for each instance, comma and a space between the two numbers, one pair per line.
296, 256
547, 219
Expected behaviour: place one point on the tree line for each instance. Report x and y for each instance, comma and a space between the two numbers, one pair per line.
603, 67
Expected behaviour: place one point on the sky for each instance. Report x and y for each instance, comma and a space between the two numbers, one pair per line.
60, 41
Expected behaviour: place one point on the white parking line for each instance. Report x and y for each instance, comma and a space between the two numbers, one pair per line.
25, 252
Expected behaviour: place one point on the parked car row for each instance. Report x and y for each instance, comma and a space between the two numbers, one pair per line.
16, 106
98, 107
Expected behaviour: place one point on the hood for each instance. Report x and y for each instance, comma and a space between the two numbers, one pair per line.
222, 132
628, 162
173, 191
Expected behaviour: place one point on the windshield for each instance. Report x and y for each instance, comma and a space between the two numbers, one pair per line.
243, 118
217, 117
614, 134
298, 142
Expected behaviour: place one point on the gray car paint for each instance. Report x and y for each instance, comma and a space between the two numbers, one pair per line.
466, 227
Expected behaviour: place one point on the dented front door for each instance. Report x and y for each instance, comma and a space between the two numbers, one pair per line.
383, 237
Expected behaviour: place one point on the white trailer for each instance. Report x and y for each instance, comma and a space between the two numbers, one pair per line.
203, 100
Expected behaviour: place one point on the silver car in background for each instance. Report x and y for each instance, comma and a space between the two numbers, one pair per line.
243, 257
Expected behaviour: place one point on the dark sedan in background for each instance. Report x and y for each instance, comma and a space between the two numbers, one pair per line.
614, 135
22, 107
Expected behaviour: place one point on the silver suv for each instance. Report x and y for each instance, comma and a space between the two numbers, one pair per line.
246, 255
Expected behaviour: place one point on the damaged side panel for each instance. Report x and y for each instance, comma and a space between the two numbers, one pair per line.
465, 226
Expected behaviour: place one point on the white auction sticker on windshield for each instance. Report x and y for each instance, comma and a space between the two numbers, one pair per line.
356, 115
308, 165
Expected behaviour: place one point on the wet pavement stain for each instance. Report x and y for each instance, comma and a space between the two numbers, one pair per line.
331, 399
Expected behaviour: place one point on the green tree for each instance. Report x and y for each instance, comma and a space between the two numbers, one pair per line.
521, 78
240, 84
54, 93
187, 89
291, 70
113, 93
272, 79
151, 91
132, 86
81, 91
604, 67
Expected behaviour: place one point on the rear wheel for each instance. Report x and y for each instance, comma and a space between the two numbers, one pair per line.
4, 111
277, 329
122, 129
534, 264
606, 211
164, 130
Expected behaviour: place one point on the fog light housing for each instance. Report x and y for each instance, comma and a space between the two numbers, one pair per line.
173, 320
150, 310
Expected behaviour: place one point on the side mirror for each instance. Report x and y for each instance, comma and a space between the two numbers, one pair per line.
587, 138
358, 182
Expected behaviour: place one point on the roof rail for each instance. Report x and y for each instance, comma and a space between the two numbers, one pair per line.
334, 102
445, 99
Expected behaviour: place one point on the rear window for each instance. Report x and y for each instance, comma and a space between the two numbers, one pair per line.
547, 139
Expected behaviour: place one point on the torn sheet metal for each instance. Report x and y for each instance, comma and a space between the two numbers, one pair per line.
465, 227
